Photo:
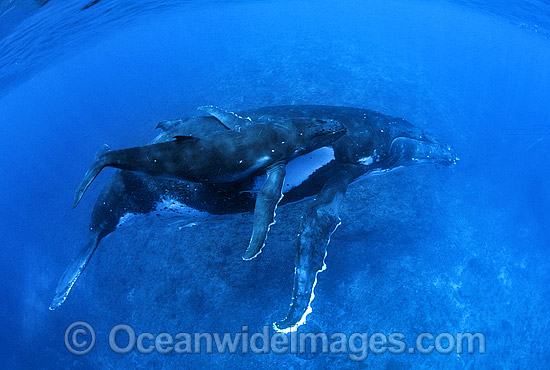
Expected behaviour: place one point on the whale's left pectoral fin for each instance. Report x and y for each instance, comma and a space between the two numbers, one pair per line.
230, 120
264, 212
318, 224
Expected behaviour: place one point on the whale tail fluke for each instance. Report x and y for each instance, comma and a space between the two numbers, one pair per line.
73, 271
100, 161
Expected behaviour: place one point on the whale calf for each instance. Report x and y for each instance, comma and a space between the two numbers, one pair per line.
247, 150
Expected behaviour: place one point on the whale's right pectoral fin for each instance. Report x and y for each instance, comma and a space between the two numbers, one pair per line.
320, 221
264, 212
96, 167
73, 271
229, 119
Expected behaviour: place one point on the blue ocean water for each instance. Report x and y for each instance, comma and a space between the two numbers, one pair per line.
461, 249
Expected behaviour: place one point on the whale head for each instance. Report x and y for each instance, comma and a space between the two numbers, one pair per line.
385, 143
406, 151
410, 146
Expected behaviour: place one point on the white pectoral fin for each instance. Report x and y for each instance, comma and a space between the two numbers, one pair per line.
320, 221
230, 120
264, 212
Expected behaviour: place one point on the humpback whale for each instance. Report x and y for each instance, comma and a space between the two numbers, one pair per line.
373, 143
246, 150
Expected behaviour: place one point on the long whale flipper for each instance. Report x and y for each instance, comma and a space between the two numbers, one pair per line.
229, 119
264, 211
91, 174
73, 271
318, 224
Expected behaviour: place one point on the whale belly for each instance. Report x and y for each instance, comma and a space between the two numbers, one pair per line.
300, 169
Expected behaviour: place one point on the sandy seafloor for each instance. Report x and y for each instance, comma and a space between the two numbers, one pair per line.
459, 249
410, 256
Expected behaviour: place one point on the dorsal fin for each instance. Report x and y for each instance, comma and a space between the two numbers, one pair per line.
230, 120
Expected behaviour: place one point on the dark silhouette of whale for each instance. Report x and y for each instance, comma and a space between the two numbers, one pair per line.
373, 142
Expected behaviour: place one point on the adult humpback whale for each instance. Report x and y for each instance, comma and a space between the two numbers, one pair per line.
373, 142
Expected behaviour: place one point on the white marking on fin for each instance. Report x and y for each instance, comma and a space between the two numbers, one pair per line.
171, 207
231, 120
366, 161
268, 228
127, 217
303, 319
